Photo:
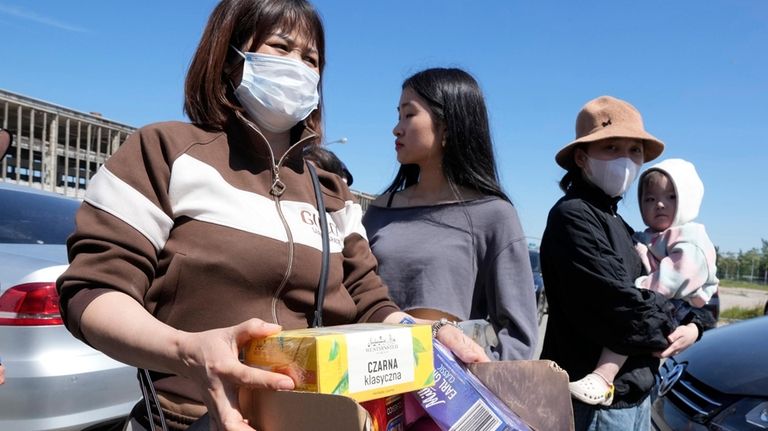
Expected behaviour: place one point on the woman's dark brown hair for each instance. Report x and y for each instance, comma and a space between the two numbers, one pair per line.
573, 172
208, 94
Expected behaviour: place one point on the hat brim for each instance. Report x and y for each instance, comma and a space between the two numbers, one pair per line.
652, 147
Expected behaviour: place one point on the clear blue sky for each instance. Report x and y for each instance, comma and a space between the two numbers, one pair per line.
698, 71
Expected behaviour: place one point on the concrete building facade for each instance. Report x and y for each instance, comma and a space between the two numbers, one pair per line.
55, 148
59, 149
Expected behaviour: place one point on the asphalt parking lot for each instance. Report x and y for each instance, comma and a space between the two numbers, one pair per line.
738, 297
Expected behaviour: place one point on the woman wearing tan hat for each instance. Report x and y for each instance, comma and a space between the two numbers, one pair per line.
590, 264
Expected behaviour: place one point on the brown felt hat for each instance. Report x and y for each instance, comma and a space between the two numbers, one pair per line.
609, 117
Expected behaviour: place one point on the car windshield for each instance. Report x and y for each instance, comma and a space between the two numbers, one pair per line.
535, 264
31, 218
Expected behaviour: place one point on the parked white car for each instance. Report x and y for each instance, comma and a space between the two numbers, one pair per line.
53, 381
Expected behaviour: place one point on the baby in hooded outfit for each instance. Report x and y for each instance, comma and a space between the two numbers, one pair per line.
677, 253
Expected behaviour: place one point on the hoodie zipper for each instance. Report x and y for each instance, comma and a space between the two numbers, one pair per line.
276, 190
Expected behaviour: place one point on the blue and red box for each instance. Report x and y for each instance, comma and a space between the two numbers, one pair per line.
460, 402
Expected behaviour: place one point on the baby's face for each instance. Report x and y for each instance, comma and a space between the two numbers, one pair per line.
658, 203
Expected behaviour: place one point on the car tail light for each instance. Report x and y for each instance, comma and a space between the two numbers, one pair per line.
30, 304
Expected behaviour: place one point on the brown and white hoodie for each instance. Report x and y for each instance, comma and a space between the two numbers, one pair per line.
183, 220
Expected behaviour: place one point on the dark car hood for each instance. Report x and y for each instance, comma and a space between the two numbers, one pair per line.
732, 359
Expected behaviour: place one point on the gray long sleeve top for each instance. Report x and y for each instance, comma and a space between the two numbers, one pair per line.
467, 259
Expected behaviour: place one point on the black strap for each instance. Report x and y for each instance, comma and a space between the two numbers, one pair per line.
389, 200
323, 282
150, 399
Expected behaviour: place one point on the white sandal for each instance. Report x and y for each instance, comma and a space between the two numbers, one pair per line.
591, 390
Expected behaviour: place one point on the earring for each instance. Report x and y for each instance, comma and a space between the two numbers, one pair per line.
443, 143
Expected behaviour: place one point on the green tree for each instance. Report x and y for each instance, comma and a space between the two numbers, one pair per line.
727, 266
751, 265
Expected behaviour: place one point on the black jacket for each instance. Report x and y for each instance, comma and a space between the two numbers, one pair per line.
589, 265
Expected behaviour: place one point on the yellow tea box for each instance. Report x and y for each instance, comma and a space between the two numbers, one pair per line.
363, 361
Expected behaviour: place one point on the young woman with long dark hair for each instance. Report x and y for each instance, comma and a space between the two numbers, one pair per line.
447, 238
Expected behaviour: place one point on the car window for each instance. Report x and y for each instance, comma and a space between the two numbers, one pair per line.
30, 218
535, 264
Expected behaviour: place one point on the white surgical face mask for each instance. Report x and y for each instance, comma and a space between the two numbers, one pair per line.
277, 92
612, 176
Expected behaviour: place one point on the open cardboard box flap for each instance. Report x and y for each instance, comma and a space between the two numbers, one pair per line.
300, 411
536, 390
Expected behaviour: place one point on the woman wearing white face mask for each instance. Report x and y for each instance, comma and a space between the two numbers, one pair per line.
195, 238
589, 263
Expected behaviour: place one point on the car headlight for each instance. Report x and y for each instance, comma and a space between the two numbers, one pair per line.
746, 414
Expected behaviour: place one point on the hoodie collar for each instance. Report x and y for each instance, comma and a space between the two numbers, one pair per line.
248, 134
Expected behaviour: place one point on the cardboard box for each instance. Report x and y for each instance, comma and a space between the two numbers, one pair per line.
300, 411
535, 390
362, 361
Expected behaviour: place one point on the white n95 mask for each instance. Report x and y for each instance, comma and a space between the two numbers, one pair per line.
612, 176
277, 92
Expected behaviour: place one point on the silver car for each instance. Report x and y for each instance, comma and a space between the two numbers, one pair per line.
53, 381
